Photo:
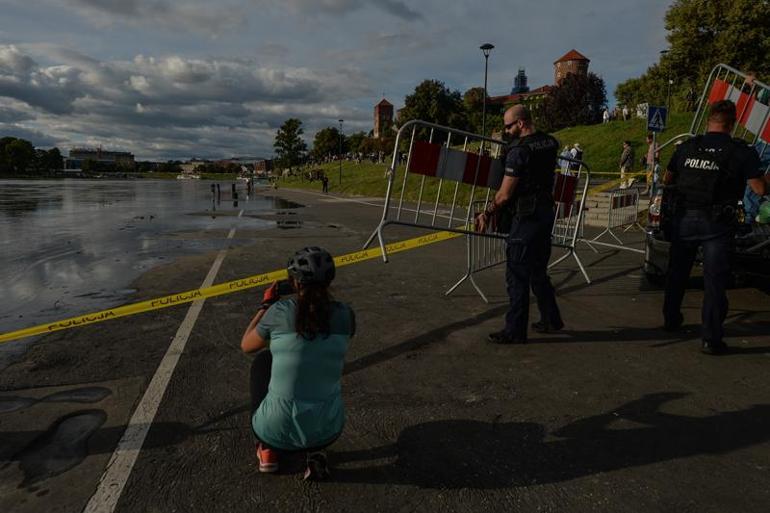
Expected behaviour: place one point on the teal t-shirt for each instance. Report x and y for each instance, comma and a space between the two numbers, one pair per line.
303, 407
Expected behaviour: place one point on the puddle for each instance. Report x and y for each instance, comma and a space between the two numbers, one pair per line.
79, 395
62, 447
12, 403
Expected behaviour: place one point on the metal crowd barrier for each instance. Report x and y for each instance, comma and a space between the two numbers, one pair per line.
488, 252
751, 98
569, 213
482, 253
436, 163
622, 212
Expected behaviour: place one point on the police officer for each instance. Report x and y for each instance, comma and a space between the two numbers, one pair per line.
706, 177
527, 189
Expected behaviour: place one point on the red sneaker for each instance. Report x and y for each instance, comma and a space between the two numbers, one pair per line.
268, 459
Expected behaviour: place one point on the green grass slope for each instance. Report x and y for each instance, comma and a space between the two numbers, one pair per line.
602, 145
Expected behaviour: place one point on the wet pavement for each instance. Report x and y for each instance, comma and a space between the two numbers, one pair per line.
69, 247
611, 414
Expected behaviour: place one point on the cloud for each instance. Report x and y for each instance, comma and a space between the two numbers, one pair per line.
11, 115
38, 139
196, 15
153, 104
340, 7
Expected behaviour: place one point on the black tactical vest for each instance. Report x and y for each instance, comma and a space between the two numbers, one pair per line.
543, 151
704, 178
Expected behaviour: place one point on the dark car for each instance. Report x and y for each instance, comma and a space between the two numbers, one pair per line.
751, 250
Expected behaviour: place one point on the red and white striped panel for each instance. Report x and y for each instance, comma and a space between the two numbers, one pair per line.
438, 161
751, 114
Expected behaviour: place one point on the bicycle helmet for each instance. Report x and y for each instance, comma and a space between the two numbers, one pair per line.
311, 265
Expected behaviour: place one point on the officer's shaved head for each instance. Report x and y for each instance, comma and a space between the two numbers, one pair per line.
516, 113
723, 113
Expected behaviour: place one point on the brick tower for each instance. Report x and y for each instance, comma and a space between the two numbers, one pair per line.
571, 62
383, 118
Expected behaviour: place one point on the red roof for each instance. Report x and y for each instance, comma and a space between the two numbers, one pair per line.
385, 102
573, 55
513, 98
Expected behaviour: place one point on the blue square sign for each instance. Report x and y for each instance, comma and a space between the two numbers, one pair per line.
656, 118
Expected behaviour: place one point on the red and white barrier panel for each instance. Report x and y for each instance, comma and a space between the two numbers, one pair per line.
436, 160
564, 189
751, 114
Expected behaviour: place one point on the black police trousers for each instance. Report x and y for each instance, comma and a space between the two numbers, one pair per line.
692, 229
528, 252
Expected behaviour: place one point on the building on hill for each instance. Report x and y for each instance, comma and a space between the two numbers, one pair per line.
191, 166
383, 118
512, 99
78, 156
571, 62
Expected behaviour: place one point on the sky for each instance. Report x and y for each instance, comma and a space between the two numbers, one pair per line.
177, 79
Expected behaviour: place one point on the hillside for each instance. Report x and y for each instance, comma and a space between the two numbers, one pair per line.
602, 145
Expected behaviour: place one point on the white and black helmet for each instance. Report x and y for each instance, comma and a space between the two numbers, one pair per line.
311, 265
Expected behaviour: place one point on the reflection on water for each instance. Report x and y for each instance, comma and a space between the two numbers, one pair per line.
69, 247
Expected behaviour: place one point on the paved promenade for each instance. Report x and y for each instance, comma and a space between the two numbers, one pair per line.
612, 414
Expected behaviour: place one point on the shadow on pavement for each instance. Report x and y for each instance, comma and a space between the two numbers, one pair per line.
483, 455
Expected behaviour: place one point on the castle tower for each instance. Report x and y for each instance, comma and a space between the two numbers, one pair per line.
571, 62
520, 83
383, 118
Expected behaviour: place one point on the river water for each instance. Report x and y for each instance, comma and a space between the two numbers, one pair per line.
70, 247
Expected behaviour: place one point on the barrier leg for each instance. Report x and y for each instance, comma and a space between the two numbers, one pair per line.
588, 243
377, 233
582, 269
561, 259
468, 271
371, 238
382, 245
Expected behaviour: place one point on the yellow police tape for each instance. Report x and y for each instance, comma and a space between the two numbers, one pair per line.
217, 290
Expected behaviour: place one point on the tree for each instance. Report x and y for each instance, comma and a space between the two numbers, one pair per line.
355, 141
702, 34
16, 155
170, 166
289, 146
432, 101
52, 160
577, 100
327, 142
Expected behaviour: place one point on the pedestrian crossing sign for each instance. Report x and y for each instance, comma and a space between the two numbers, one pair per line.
656, 118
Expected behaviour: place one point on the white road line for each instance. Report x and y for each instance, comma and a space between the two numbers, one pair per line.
115, 476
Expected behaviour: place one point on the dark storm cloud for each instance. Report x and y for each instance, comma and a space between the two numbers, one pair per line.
197, 15
337, 7
38, 139
10, 115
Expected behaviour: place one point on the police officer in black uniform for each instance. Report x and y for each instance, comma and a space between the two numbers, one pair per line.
527, 189
705, 178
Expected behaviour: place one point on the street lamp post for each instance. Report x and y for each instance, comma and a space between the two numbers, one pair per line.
340, 150
486, 48
668, 80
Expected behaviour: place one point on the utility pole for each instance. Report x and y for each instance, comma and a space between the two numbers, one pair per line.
486, 48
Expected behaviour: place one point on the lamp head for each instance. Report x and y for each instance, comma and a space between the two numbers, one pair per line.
486, 48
